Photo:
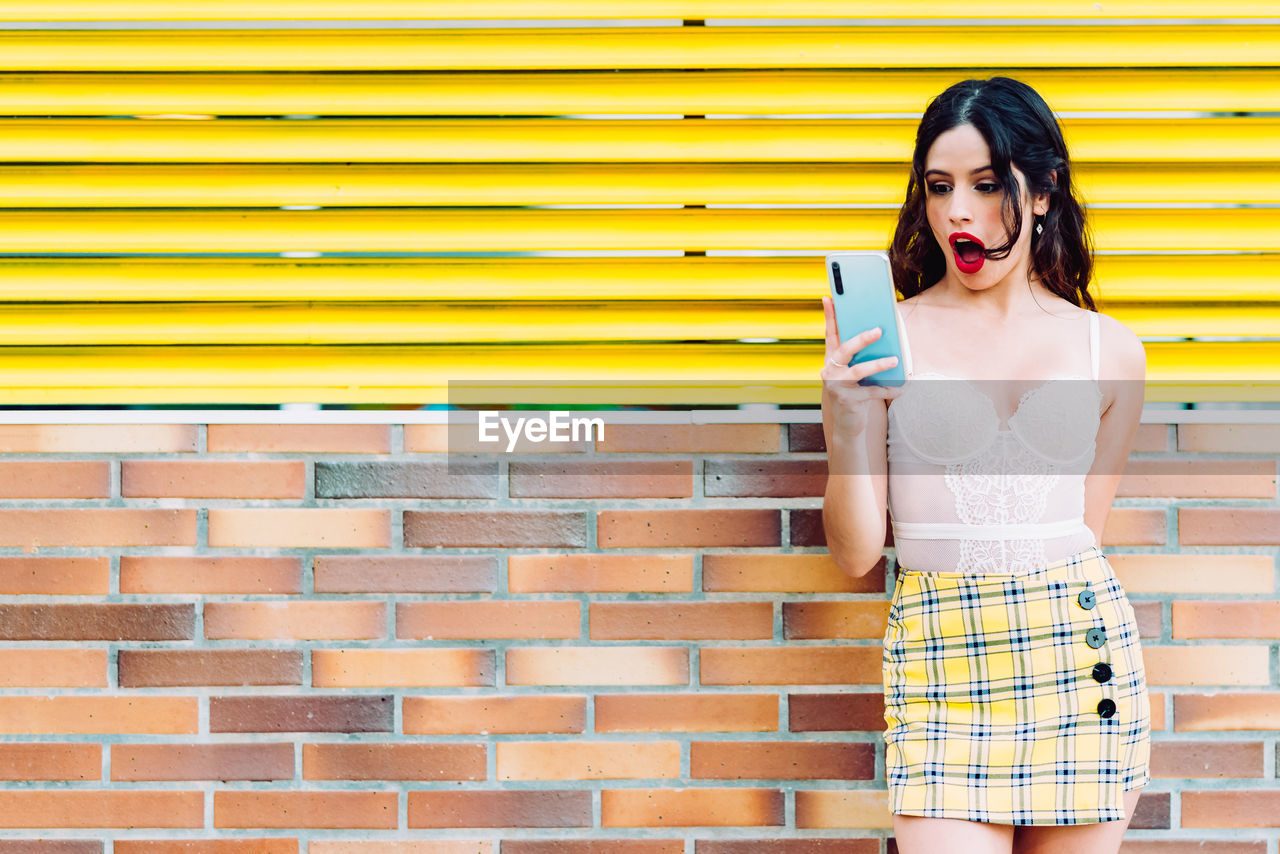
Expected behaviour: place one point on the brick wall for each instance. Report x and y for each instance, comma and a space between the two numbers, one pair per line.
290, 638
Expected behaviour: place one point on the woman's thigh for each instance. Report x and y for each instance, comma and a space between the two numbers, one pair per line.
919, 835
1100, 838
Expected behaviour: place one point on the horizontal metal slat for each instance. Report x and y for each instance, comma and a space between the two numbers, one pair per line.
1119, 279
1213, 140
479, 230
1087, 45
343, 10
773, 92
252, 185
473, 323
693, 374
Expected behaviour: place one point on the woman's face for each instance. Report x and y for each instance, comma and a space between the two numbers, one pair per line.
963, 201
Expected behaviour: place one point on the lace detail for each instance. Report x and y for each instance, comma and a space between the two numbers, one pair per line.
1008, 484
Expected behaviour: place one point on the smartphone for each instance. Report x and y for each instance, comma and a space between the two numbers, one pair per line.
863, 296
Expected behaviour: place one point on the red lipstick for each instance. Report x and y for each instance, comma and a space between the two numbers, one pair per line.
969, 251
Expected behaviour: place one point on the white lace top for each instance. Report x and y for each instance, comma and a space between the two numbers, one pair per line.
967, 496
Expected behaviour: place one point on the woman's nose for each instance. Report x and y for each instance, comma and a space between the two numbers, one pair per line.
959, 210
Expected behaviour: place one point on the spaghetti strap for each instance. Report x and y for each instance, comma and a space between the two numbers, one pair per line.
906, 345
1093, 342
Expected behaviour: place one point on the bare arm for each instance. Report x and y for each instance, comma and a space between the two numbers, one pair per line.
1123, 380
855, 426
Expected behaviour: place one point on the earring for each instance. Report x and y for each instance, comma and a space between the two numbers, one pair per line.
1039, 228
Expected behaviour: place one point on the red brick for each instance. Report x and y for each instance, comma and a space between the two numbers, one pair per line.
38, 761
600, 573
44, 808
54, 576
725, 665
587, 760
414, 846
1206, 759
789, 846
303, 713
406, 573
268, 845
50, 846
299, 438
694, 712
143, 668
98, 714
494, 529
159, 574
1150, 617
213, 479
863, 809
397, 479
55, 479
1177, 478
593, 846
807, 528
1207, 665
221, 761
34, 668
96, 621
296, 620
765, 478
1153, 812
784, 573
393, 761
386, 668
1152, 437
808, 620
486, 619
687, 528
490, 715
1230, 438
686, 620
1214, 574
57, 527
602, 479
692, 439
782, 760
1228, 526
697, 807
1231, 808
373, 810
1251, 619
522, 809
612, 665
1134, 526
306, 527
847, 710
1203, 846
1235, 711
98, 438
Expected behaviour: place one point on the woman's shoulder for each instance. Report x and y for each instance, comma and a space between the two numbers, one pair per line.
1123, 355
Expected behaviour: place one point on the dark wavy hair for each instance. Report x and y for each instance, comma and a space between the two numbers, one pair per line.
1021, 131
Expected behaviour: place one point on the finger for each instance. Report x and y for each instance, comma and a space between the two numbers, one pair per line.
850, 348
833, 333
862, 370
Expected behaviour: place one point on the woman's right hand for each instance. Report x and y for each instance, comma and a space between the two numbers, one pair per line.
843, 399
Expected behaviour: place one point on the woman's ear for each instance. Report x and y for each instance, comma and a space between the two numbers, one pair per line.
1040, 203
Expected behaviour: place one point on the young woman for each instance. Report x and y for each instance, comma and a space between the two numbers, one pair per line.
1016, 703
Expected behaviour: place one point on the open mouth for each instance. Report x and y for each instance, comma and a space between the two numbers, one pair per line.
969, 252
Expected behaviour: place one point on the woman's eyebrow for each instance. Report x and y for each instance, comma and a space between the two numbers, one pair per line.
948, 174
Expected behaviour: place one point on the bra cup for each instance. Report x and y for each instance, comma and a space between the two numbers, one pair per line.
951, 422
1058, 420
944, 422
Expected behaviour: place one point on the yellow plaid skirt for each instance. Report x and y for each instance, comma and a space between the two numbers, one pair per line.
1015, 699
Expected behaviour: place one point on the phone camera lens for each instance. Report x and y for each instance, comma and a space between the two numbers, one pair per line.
835, 276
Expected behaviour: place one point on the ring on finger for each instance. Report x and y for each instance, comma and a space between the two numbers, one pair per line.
837, 364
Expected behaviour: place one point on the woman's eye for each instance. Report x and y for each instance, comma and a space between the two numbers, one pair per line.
938, 189
989, 187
